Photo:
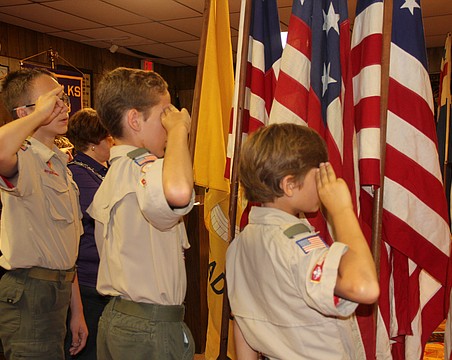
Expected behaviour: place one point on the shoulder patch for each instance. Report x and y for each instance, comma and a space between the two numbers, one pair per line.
311, 242
141, 156
145, 159
296, 229
25, 145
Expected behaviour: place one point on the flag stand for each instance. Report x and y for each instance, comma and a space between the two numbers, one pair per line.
232, 212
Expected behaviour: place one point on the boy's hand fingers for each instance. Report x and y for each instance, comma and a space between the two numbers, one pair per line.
330, 172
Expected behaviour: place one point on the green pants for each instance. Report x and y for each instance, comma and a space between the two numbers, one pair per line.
33, 315
143, 331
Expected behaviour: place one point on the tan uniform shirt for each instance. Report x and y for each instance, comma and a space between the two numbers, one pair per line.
41, 217
281, 290
140, 239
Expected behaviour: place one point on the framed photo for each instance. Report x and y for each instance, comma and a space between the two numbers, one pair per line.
4, 69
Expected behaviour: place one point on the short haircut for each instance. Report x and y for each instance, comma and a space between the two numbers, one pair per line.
275, 151
17, 85
85, 128
124, 89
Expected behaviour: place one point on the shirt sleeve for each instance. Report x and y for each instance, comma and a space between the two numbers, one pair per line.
152, 201
315, 276
21, 184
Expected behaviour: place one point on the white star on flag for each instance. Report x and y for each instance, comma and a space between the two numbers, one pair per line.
326, 79
410, 5
331, 20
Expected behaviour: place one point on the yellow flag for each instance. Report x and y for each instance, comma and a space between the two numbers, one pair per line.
217, 90
215, 101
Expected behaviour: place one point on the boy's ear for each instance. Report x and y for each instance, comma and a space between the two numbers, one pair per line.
133, 120
21, 112
287, 185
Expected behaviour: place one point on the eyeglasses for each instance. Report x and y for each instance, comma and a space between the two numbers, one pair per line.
65, 98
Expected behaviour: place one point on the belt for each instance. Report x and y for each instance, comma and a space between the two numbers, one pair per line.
52, 275
153, 312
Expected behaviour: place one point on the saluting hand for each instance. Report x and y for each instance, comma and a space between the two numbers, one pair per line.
50, 105
333, 192
171, 118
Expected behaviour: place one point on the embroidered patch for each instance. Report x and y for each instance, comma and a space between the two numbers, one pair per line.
144, 159
25, 145
317, 272
310, 243
50, 169
146, 168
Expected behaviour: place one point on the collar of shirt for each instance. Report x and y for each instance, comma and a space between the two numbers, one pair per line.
272, 216
118, 151
45, 153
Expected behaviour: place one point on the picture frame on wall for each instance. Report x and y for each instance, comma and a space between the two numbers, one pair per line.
4, 70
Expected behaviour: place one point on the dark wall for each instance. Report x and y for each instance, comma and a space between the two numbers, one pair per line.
18, 43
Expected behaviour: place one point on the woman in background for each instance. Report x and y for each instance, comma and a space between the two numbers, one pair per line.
92, 145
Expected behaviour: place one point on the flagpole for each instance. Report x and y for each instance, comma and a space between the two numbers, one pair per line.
378, 195
234, 184
198, 82
446, 145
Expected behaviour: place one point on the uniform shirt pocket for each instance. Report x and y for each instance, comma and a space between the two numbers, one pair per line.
57, 198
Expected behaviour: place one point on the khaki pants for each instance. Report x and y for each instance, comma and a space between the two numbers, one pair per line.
143, 331
33, 313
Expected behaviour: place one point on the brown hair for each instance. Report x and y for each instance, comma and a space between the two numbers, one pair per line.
275, 151
85, 128
16, 87
123, 89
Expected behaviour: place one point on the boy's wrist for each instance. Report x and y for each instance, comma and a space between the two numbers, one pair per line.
180, 129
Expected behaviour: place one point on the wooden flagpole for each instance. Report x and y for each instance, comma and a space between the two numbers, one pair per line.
378, 195
198, 82
446, 142
447, 138
234, 184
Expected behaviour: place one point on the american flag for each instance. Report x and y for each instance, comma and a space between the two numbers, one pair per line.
264, 53
415, 230
313, 81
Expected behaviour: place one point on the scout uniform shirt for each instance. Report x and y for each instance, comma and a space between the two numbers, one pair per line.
140, 239
281, 279
41, 218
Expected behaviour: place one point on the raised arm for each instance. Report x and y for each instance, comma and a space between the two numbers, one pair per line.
13, 134
177, 166
357, 278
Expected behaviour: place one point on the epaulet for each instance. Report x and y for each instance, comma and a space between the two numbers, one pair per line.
141, 156
295, 230
25, 145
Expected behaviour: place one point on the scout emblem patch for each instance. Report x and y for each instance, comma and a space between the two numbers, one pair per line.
311, 242
317, 272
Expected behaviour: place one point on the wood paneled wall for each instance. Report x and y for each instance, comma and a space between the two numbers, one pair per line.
18, 43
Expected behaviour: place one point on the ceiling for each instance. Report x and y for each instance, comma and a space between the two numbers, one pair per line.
167, 31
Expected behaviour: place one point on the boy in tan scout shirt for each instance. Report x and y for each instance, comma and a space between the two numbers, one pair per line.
138, 211
40, 224
292, 296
